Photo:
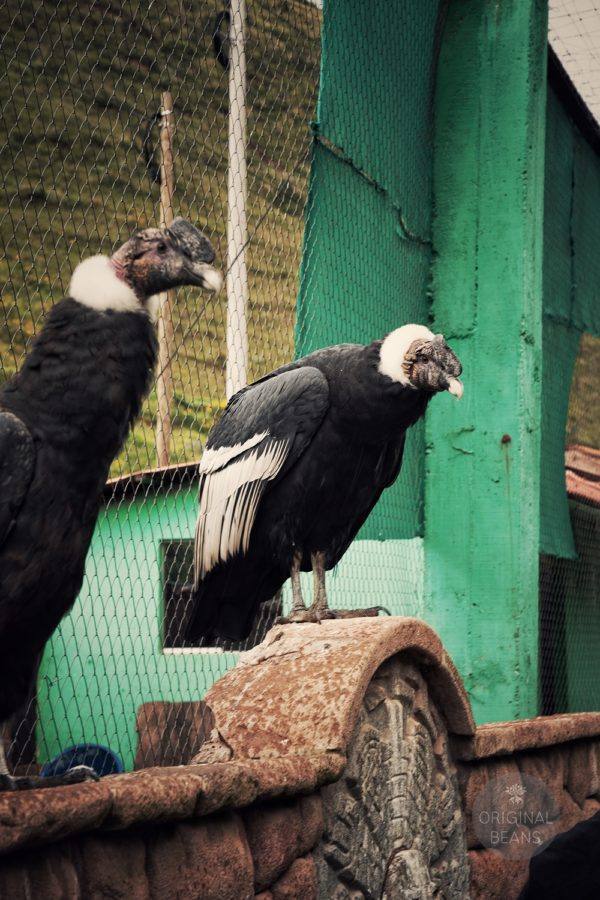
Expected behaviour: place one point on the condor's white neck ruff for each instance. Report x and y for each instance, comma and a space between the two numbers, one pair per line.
395, 347
96, 284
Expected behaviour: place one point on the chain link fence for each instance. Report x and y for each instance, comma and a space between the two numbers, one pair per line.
83, 123
93, 94
90, 94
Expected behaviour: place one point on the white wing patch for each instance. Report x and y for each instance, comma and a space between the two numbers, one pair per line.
218, 457
230, 490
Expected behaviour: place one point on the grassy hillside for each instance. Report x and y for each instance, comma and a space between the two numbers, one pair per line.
80, 81
584, 407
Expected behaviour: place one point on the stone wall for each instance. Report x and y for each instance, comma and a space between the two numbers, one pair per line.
335, 761
264, 851
562, 753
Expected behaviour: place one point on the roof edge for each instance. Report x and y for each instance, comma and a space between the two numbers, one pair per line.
561, 83
163, 478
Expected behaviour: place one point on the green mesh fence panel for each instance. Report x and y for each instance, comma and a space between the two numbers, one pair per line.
570, 535
571, 307
370, 204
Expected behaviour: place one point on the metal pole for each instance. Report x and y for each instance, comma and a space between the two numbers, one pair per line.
237, 228
164, 384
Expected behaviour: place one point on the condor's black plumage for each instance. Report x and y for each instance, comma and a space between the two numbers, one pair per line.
296, 464
63, 419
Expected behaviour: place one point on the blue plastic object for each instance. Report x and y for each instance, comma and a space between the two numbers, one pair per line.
102, 760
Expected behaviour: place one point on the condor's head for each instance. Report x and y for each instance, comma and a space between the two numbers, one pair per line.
417, 358
149, 263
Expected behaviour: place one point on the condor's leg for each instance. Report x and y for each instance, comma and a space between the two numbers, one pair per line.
298, 612
320, 609
297, 600
319, 604
3, 764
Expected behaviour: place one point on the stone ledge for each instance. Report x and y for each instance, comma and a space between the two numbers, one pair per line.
503, 738
157, 795
300, 691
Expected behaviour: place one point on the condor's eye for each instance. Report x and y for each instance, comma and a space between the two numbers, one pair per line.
162, 248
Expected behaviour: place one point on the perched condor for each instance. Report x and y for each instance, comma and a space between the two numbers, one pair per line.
294, 467
63, 418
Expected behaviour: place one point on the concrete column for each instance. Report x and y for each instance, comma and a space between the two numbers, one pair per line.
482, 485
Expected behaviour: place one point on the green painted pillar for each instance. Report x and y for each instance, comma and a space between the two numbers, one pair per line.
482, 487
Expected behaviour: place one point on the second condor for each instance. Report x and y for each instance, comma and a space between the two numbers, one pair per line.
294, 467
63, 418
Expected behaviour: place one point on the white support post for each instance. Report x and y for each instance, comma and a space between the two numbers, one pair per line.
164, 384
237, 227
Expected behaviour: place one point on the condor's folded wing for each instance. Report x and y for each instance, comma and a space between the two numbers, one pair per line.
17, 458
263, 431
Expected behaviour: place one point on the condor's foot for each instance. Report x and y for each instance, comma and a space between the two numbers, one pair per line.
318, 614
369, 611
76, 775
306, 615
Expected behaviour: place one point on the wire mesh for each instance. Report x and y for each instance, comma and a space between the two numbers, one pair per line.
569, 600
80, 108
570, 582
80, 103
81, 116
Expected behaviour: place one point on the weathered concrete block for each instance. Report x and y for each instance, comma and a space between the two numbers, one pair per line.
473, 780
152, 795
298, 883
273, 834
548, 765
590, 807
311, 811
51, 875
581, 779
31, 817
209, 859
113, 865
495, 878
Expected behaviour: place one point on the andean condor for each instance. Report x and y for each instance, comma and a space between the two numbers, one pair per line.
63, 418
294, 467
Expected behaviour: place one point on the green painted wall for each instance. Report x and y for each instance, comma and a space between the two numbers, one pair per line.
580, 583
106, 658
482, 492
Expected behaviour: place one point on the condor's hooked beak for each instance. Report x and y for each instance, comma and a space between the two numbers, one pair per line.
197, 254
455, 387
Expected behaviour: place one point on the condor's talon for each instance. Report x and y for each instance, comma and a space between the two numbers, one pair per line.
299, 617
76, 775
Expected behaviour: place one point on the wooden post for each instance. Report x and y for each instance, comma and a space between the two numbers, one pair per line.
164, 384
237, 227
